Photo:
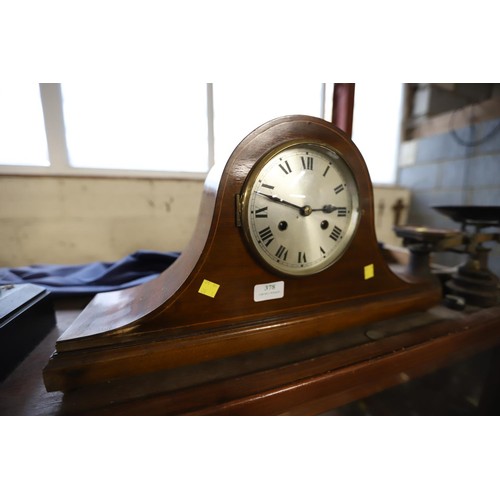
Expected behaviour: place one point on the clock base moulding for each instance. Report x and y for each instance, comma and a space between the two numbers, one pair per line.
202, 308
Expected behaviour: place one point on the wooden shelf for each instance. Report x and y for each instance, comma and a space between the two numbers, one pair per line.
304, 378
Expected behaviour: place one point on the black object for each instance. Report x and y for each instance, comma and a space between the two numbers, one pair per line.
454, 302
26, 317
475, 214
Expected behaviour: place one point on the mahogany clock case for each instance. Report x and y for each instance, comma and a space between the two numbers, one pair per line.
176, 320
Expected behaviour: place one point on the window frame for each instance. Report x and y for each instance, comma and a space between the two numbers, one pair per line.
59, 164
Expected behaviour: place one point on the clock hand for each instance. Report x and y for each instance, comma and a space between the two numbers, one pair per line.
327, 209
277, 199
305, 210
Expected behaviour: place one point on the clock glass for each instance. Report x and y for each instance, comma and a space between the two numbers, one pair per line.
300, 208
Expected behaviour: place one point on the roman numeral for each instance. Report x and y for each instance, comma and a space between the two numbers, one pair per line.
266, 235
322, 250
307, 162
286, 168
339, 189
342, 211
335, 234
302, 258
326, 170
282, 253
267, 186
261, 212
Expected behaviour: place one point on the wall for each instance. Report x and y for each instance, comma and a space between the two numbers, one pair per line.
440, 170
69, 220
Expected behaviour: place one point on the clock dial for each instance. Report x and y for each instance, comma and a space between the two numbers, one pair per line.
300, 209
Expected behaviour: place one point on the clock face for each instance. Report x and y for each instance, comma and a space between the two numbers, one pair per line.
300, 209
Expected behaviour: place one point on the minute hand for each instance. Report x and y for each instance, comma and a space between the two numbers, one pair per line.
277, 199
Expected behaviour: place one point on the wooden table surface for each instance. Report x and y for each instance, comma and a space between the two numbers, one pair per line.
306, 378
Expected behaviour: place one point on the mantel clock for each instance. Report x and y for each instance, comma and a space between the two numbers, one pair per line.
284, 250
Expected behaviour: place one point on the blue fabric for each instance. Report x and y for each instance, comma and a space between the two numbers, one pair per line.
92, 278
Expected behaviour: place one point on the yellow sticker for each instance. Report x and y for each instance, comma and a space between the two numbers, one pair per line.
208, 288
369, 271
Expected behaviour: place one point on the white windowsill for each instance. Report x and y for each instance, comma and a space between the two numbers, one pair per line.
16, 170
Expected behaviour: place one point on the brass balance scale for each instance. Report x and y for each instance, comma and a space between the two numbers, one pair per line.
472, 283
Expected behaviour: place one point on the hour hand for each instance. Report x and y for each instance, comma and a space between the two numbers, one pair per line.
327, 209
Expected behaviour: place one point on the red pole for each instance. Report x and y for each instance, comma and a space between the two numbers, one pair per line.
343, 106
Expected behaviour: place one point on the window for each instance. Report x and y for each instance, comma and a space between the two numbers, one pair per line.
134, 128
131, 126
22, 129
376, 129
172, 129
256, 104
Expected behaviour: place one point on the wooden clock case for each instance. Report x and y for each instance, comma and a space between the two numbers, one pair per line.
171, 321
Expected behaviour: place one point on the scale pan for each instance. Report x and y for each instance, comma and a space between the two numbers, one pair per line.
488, 215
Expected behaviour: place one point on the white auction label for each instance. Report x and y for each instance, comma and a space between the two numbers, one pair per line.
269, 291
